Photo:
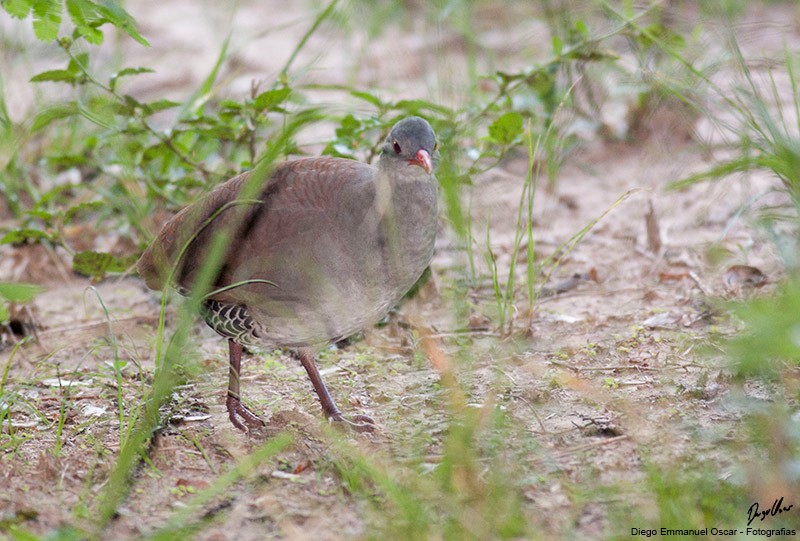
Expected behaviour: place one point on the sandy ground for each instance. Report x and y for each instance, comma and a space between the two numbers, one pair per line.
604, 376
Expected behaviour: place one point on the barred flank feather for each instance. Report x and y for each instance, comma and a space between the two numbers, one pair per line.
231, 321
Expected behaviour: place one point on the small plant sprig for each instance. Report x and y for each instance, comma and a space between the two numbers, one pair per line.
129, 164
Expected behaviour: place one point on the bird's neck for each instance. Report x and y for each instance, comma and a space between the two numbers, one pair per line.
407, 208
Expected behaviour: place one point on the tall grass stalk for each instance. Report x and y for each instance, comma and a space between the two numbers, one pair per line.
524, 225
491, 262
117, 366
5, 402
552, 262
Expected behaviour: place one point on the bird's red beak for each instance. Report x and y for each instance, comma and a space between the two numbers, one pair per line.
424, 160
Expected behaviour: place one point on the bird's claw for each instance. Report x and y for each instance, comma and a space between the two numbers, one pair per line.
236, 408
359, 423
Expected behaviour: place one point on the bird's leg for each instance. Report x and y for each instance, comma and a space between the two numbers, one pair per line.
234, 403
360, 423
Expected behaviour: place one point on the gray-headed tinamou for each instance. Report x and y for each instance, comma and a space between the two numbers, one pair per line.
324, 249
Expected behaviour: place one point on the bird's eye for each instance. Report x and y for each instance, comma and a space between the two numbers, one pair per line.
396, 146
436, 147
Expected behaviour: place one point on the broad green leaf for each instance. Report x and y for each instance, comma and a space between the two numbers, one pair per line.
120, 18
90, 33
133, 71
159, 105
79, 63
22, 235
98, 264
112, 81
46, 19
81, 12
86, 206
229, 106
271, 98
348, 126
18, 292
99, 112
84, 16
506, 128
18, 8
41, 214
65, 76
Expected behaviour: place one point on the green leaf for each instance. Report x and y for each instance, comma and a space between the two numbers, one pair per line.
84, 16
100, 111
558, 46
112, 82
18, 8
86, 206
79, 63
159, 105
5, 315
366, 96
506, 128
52, 113
349, 126
74, 71
46, 19
41, 214
90, 33
582, 29
663, 36
55, 194
229, 106
23, 235
120, 18
65, 76
81, 12
98, 264
19, 292
271, 98
415, 107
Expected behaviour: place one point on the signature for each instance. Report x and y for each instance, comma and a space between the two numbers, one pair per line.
776, 509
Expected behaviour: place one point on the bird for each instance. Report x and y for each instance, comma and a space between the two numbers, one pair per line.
325, 248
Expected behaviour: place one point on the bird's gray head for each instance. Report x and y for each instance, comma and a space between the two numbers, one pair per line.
411, 143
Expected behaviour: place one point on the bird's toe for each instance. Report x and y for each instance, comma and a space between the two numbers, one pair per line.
237, 410
359, 423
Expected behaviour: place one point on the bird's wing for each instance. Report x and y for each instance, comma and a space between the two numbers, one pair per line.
298, 195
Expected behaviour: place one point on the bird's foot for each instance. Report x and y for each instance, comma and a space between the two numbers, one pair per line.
236, 409
359, 423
